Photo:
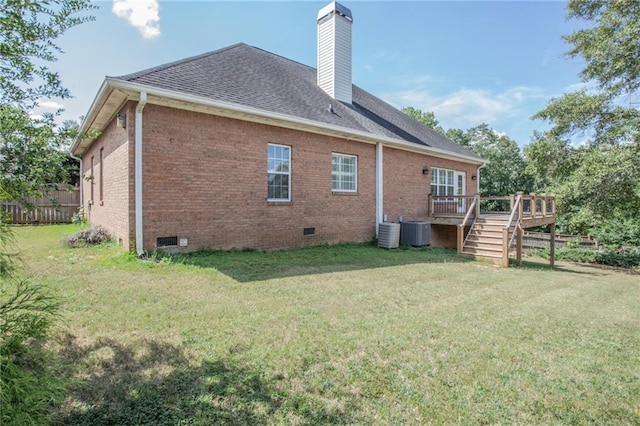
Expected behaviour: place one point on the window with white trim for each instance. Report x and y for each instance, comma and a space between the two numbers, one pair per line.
344, 173
442, 181
278, 172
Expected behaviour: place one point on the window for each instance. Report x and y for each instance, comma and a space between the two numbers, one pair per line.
101, 176
278, 173
344, 173
91, 179
442, 182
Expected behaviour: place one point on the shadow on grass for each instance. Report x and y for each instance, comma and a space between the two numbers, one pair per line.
155, 383
543, 265
247, 266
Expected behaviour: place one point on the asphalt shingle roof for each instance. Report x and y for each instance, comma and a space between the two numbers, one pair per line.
249, 76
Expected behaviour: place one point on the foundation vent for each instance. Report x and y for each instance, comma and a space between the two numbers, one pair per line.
166, 241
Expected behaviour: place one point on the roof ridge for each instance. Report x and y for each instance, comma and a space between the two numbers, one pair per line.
168, 65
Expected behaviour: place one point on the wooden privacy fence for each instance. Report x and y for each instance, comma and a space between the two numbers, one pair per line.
57, 206
539, 240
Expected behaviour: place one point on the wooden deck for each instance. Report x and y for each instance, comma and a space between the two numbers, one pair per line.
492, 227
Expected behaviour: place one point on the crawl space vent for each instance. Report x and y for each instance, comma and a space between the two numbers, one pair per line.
309, 231
166, 241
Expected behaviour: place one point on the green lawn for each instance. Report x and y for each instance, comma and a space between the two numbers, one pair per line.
350, 334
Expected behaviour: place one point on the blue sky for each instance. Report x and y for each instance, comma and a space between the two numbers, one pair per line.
470, 62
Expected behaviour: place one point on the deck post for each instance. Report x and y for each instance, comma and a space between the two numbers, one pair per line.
505, 247
430, 198
534, 202
460, 238
552, 245
519, 233
477, 196
520, 205
512, 200
544, 205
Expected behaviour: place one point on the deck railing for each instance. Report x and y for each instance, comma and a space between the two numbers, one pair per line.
450, 205
530, 206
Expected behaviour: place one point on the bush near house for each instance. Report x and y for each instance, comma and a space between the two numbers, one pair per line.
90, 236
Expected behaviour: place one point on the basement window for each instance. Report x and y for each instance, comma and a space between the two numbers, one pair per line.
166, 241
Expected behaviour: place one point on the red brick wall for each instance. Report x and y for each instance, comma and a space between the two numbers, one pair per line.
205, 179
406, 189
115, 210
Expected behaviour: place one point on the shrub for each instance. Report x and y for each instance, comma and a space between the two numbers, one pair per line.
8, 251
89, 236
79, 218
28, 386
628, 257
618, 232
569, 254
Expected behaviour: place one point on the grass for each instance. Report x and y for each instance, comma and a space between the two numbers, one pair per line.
349, 334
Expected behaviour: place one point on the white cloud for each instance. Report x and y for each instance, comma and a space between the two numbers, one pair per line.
49, 105
142, 14
468, 107
580, 86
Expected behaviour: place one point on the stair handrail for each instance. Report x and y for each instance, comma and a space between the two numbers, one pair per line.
472, 208
513, 235
516, 208
469, 210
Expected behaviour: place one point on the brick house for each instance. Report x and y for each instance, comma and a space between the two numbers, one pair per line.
244, 148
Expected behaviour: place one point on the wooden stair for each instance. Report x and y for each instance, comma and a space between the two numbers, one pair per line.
485, 238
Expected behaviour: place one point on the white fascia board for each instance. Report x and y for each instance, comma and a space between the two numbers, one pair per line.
310, 125
93, 110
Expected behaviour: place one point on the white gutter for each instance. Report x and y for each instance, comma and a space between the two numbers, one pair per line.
478, 178
379, 187
316, 126
138, 174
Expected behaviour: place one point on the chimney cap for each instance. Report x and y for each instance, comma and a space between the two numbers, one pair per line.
335, 8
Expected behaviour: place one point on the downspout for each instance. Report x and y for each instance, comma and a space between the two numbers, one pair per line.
379, 187
138, 174
478, 178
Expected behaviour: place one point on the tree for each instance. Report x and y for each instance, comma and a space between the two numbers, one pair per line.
596, 183
29, 148
549, 159
611, 49
426, 118
602, 190
29, 156
459, 136
31, 153
505, 172
28, 30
